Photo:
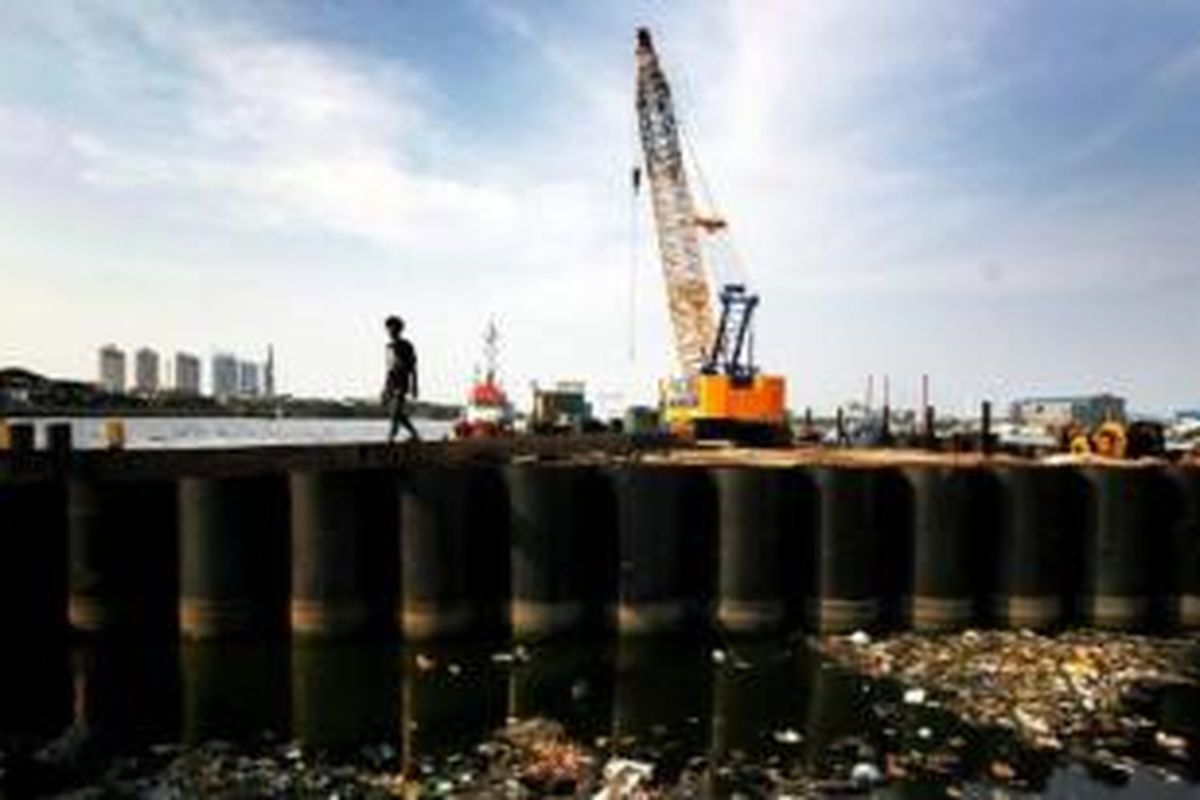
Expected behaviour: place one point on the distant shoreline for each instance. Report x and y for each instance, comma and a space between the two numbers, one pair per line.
24, 394
290, 409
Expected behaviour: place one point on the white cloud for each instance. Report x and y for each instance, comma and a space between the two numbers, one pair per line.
231, 142
283, 137
283, 134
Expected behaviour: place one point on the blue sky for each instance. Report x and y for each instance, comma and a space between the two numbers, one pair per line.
1004, 195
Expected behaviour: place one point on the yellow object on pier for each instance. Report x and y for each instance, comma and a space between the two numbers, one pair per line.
114, 434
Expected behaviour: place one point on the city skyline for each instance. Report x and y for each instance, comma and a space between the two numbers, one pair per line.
1000, 197
245, 378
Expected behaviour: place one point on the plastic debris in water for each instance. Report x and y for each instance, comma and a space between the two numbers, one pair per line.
623, 777
864, 773
788, 736
1175, 745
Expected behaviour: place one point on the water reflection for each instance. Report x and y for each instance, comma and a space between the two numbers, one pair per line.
706, 705
125, 694
454, 697
760, 702
662, 700
345, 694
570, 684
35, 692
235, 691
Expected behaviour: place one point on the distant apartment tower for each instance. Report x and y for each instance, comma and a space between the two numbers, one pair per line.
145, 371
187, 374
224, 376
269, 372
248, 375
112, 369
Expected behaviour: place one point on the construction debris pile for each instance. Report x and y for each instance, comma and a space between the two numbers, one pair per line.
1070, 692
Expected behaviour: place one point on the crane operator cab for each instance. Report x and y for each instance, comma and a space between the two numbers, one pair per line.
729, 398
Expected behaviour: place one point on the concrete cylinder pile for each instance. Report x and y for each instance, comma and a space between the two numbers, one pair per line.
342, 523
123, 559
233, 556
541, 549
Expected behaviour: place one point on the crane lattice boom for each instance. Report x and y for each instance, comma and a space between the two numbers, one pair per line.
688, 294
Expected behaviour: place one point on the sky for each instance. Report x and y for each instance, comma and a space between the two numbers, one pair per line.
1002, 195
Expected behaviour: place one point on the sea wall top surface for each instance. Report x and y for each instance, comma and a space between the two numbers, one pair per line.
598, 450
262, 459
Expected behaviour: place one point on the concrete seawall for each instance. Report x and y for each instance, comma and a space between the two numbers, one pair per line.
538, 539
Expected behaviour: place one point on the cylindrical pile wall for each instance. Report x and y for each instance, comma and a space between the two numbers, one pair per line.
549, 550
1182, 566
436, 540
664, 556
33, 591
847, 580
490, 550
123, 556
1028, 576
947, 537
340, 522
1119, 543
233, 556
755, 575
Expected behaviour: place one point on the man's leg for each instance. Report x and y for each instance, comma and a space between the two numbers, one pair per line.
412, 431
397, 414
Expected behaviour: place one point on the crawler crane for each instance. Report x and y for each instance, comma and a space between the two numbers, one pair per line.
720, 393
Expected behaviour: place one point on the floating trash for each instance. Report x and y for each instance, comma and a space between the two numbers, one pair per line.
788, 736
864, 773
622, 779
1069, 691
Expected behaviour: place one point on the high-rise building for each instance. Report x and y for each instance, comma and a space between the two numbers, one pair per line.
187, 374
269, 372
112, 369
248, 379
224, 376
145, 371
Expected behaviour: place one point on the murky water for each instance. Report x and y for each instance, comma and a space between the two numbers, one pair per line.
749, 709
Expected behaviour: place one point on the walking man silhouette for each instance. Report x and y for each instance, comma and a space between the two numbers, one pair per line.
401, 378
